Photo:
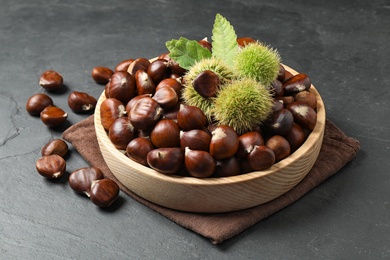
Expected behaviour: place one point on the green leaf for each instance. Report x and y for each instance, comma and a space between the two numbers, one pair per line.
187, 52
224, 40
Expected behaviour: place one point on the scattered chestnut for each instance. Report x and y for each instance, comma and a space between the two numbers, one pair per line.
166, 97
191, 117
138, 149
158, 70
121, 86
303, 114
296, 137
110, 110
145, 113
38, 102
247, 142
121, 132
53, 116
51, 166
81, 179
227, 167
168, 161
261, 158
104, 192
144, 83
195, 139
101, 75
199, 164
280, 146
123, 65
55, 146
207, 84
297, 83
81, 102
166, 133
224, 142
138, 64
51, 80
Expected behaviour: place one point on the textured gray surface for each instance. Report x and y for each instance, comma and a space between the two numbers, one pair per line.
342, 45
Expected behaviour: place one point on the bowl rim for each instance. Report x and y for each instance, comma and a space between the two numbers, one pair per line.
306, 147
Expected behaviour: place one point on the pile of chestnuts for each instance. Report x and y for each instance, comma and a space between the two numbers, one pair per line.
146, 117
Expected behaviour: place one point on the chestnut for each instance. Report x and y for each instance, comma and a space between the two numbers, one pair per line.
199, 164
121, 132
104, 192
138, 64
243, 41
168, 161
297, 83
247, 142
166, 133
55, 146
144, 83
205, 44
158, 70
224, 142
261, 158
173, 83
277, 88
123, 65
51, 80
206, 84
145, 113
134, 100
191, 117
121, 86
166, 97
51, 166
296, 137
281, 122
110, 110
38, 102
171, 113
281, 73
53, 116
101, 75
280, 146
306, 97
138, 149
227, 167
195, 139
81, 179
81, 102
303, 114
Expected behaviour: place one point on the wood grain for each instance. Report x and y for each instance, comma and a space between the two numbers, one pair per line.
214, 194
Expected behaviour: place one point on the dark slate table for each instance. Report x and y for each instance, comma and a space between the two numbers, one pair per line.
342, 45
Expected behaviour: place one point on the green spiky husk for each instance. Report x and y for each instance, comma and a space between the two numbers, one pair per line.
191, 96
259, 62
242, 104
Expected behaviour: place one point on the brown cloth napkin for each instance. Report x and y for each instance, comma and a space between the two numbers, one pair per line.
337, 150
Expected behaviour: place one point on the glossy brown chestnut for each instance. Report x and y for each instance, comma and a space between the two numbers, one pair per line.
138, 149
81, 179
101, 75
51, 166
281, 122
158, 70
171, 113
55, 146
173, 83
138, 64
195, 139
207, 84
199, 164
306, 97
277, 88
281, 73
81, 102
168, 161
206, 44
121, 132
243, 41
144, 83
296, 137
121, 86
295, 84
224, 142
191, 117
280, 146
104, 192
53, 116
123, 65
145, 113
166, 97
303, 114
261, 158
51, 80
134, 100
166, 133
247, 142
110, 110
38, 102
227, 167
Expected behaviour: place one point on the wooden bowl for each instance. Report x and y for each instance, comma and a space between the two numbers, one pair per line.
214, 195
